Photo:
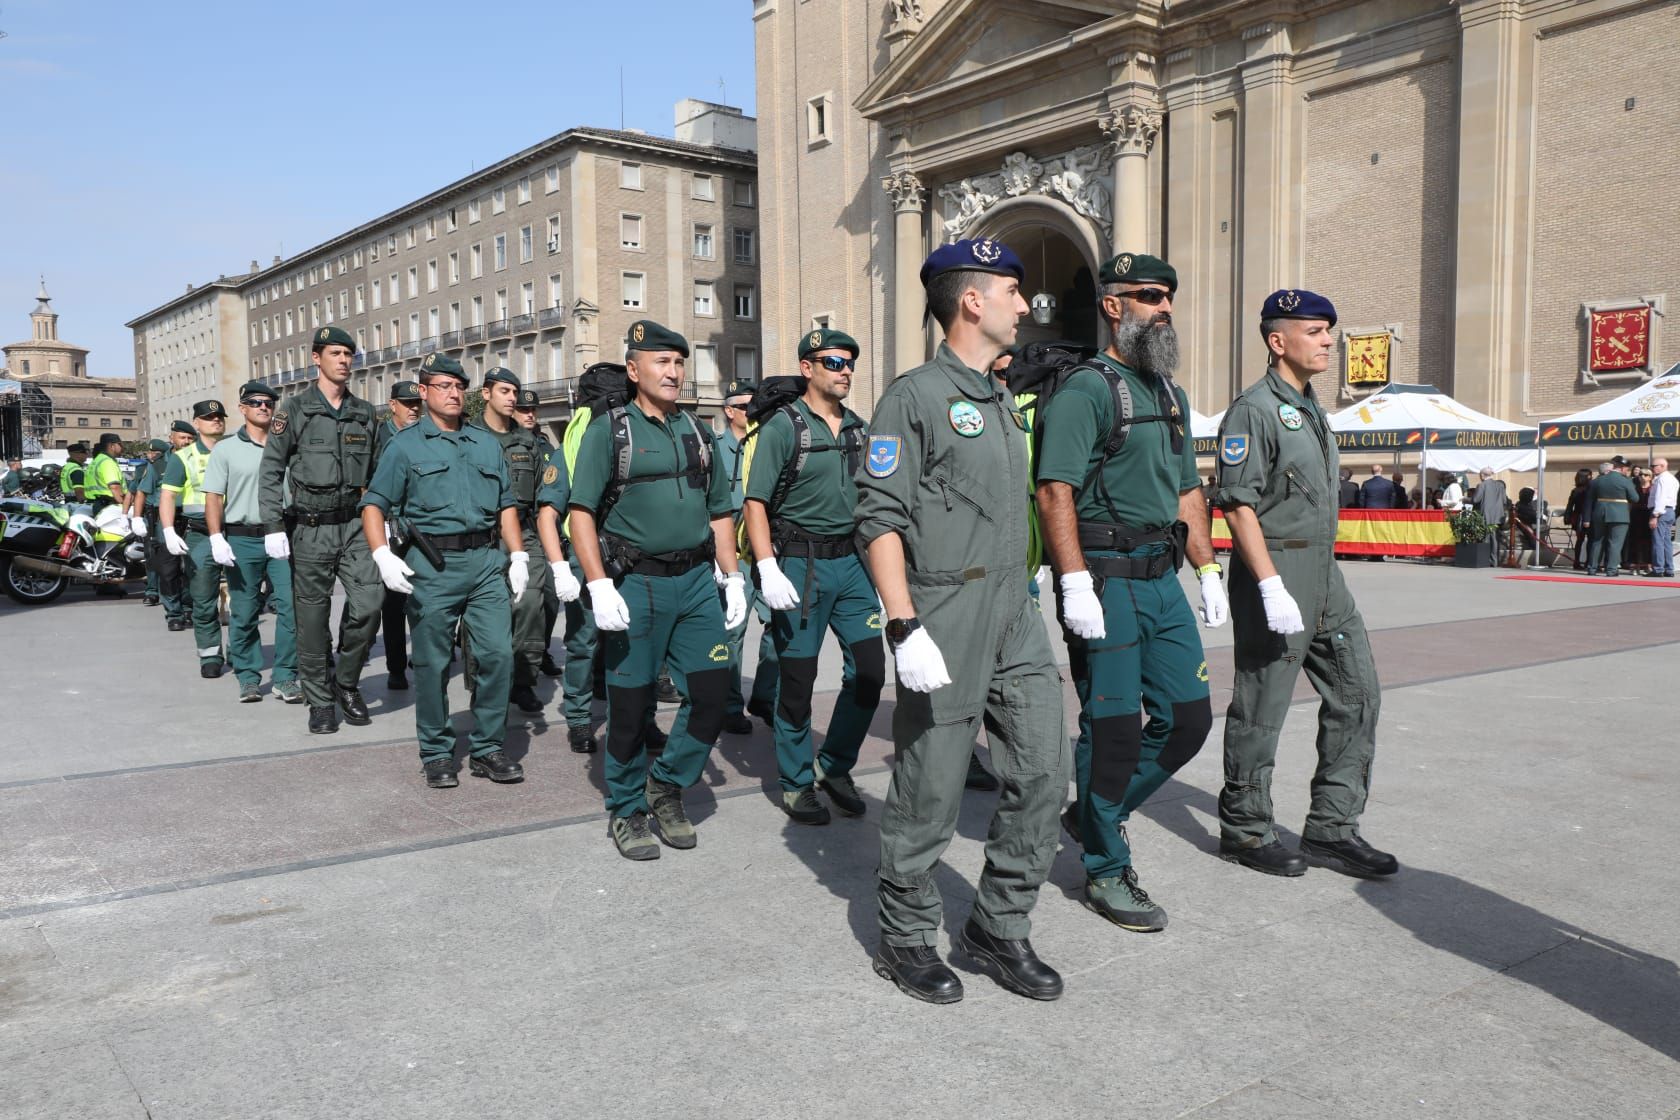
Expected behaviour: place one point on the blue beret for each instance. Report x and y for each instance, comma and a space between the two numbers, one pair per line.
1298, 303
984, 255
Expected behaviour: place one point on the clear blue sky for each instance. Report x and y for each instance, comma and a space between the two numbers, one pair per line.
144, 146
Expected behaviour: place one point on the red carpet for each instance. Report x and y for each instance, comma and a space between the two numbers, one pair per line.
1621, 581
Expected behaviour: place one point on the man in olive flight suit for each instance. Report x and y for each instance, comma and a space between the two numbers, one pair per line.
186, 534
812, 578
942, 511
1278, 486
449, 484
650, 519
325, 437
1117, 521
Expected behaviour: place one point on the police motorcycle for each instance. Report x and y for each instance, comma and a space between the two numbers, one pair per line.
46, 547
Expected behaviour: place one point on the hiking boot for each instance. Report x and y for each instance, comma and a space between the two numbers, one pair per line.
289, 692
549, 667
496, 766
918, 972
978, 776
1272, 858
666, 692
323, 721
581, 738
525, 699
802, 805
1352, 856
209, 670
250, 693
441, 773
350, 702
1120, 900
665, 802
844, 793
1010, 961
632, 837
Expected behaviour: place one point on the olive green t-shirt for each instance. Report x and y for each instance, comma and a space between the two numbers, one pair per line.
1143, 480
665, 514
823, 499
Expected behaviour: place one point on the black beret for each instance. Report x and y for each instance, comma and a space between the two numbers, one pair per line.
406, 391
1298, 303
527, 399
645, 334
501, 373
826, 339
984, 255
738, 388
183, 426
256, 390
205, 410
1138, 268
332, 336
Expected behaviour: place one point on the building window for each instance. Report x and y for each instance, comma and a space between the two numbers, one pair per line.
630, 175
501, 306
556, 361
373, 252
554, 290
395, 289
630, 231
378, 336
525, 248
449, 222
356, 258
634, 283
524, 190
817, 121
455, 268
432, 275
499, 252
431, 229
473, 210
329, 309
475, 262
127, 422
289, 324
703, 242
705, 298
391, 246
746, 246
58, 421
744, 301
455, 316
432, 322
746, 363
700, 187
527, 298
554, 233
527, 359
477, 311
360, 303
414, 326
408, 240
498, 200
81, 421
551, 182
413, 281
705, 365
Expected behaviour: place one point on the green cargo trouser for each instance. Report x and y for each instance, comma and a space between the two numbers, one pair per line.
245, 607
472, 588
1608, 537
577, 675
206, 583
765, 675
675, 621
998, 653
838, 596
528, 622
1336, 653
1151, 649
322, 554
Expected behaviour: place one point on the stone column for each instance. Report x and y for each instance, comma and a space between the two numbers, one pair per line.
909, 200
1130, 131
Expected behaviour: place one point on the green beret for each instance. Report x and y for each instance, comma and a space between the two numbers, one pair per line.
645, 334
500, 373
442, 363
332, 336
256, 390
826, 339
405, 391
209, 410
739, 388
527, 399
183, 427
1138, 268
157, 445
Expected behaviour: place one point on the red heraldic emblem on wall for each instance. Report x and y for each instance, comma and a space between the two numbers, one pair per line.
1619, 339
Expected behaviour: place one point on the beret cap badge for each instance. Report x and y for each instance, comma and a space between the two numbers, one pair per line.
987, 251
816, 339
1124, 264
1289, 301
638, 333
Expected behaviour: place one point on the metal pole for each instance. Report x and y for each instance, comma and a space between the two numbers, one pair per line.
1540, 564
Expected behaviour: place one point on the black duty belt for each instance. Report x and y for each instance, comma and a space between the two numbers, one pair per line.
676, 563
791, 540
192, 525
1103, 536
1107, 536
243, 530
1132, 567
316, 518
461, 542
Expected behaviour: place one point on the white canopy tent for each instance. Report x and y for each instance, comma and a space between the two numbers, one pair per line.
1647, 413
1446, 434
1204, 427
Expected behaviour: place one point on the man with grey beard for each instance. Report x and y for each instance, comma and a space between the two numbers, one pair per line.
1120, 505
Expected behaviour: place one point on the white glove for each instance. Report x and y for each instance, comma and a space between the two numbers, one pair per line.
717, 574
776, 588
565, 583
1082, 611
734, 600
173, 542
137, 526
277, 546
221, 551
920, 665
1216, 607
611, 611
1283, 615
519, 572
392, 571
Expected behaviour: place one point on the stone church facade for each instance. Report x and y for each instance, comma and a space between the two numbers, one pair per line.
1469, 181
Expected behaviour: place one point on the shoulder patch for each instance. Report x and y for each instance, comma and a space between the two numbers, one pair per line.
1291, 417
551, 475
1233, 450
278, 424
883, 457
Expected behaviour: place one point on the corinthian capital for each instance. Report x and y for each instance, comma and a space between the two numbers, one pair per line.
906, 190
1130, 129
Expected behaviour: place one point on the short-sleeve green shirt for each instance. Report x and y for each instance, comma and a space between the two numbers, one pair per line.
555, 489
1143, 480
442, 482
666, 515
823, 499
232, 472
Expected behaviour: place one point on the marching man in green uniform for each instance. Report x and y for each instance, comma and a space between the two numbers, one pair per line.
650, 513
1613, 496
941, 509
801, 505
524, 462
405, 409
733, 450
449, 484
187, 535
1278, 485
236, 543
325, 438
1120, 503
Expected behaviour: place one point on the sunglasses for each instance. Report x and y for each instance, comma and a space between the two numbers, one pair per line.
1149, 297
258, 403
834, 363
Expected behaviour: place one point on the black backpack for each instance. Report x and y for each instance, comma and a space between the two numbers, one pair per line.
776, 395
603, 387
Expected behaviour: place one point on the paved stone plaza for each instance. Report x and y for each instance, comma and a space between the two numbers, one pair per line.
206, 912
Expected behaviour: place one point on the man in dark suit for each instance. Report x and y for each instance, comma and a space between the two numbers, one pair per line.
1378, 492
1349, 490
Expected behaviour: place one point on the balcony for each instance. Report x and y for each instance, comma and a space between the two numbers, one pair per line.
427, 345
499, 329
472, 335
559, 389
409, 350
450, 340
550, 318
523, 324
359, 361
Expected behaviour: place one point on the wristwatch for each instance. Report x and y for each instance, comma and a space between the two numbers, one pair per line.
899, 629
